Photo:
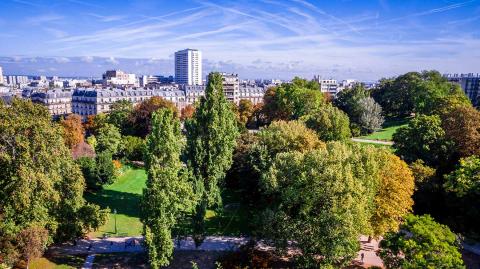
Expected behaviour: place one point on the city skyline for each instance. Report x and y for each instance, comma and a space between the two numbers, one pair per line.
256, 39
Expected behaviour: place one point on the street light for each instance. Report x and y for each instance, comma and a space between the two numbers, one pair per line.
115, 217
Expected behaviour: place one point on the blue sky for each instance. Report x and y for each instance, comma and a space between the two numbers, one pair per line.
264, 38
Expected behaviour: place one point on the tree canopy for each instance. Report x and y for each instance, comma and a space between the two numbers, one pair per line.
462, 126
421, 243
141, 116
329, 122
292, 100
108, 139
169, 193
73, 130
423, 138
322, 200
426, 93
211, 138
40, 185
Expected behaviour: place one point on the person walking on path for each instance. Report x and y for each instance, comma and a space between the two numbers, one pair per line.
362, 256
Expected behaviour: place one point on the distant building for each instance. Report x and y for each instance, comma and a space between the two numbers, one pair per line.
327, 85
231, 87
188, 67
119, 78
193, 93
57, 102
470, 84
251, 92
1, 75
87, 102
16, 80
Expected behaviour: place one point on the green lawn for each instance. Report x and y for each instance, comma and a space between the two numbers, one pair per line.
124, 196
389, 128
50, 261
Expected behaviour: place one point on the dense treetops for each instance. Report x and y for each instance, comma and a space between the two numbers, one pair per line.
421, 243
41, 186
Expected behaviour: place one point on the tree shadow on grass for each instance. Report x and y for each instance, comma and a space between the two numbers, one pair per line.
125, 203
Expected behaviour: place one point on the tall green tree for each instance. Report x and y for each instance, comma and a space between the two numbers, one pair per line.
347, 100
168, 195
108, 139
329, 122
40, 185
423, 138
322, 200
290, 101
119, 116
421, 243
211, 139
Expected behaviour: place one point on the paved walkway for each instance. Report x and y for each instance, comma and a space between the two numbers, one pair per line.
88, 261
211, 243
369, 251
380, 142
134, 244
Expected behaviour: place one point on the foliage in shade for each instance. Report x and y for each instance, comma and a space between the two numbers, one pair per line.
73, 130
211, 138
132, 148
329, 122
32, 243
463, 187
40, 185
168, 194
421, 243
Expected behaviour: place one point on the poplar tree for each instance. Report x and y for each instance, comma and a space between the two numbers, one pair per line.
211, 139
168, 194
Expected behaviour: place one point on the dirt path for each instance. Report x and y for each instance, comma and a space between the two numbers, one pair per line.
361, 140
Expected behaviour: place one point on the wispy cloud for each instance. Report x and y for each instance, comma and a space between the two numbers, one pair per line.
433, 11
45, 18
109, 18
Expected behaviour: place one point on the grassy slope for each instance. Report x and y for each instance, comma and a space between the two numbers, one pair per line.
124, 196
389, 128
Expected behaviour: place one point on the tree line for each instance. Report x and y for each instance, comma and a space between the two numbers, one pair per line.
303, 180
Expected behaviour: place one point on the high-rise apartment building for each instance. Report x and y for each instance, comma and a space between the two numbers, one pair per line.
188, 67
470, 84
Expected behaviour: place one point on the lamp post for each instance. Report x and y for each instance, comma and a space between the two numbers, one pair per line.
115, 217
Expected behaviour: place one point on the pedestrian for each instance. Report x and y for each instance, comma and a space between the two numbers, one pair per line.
362, 256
